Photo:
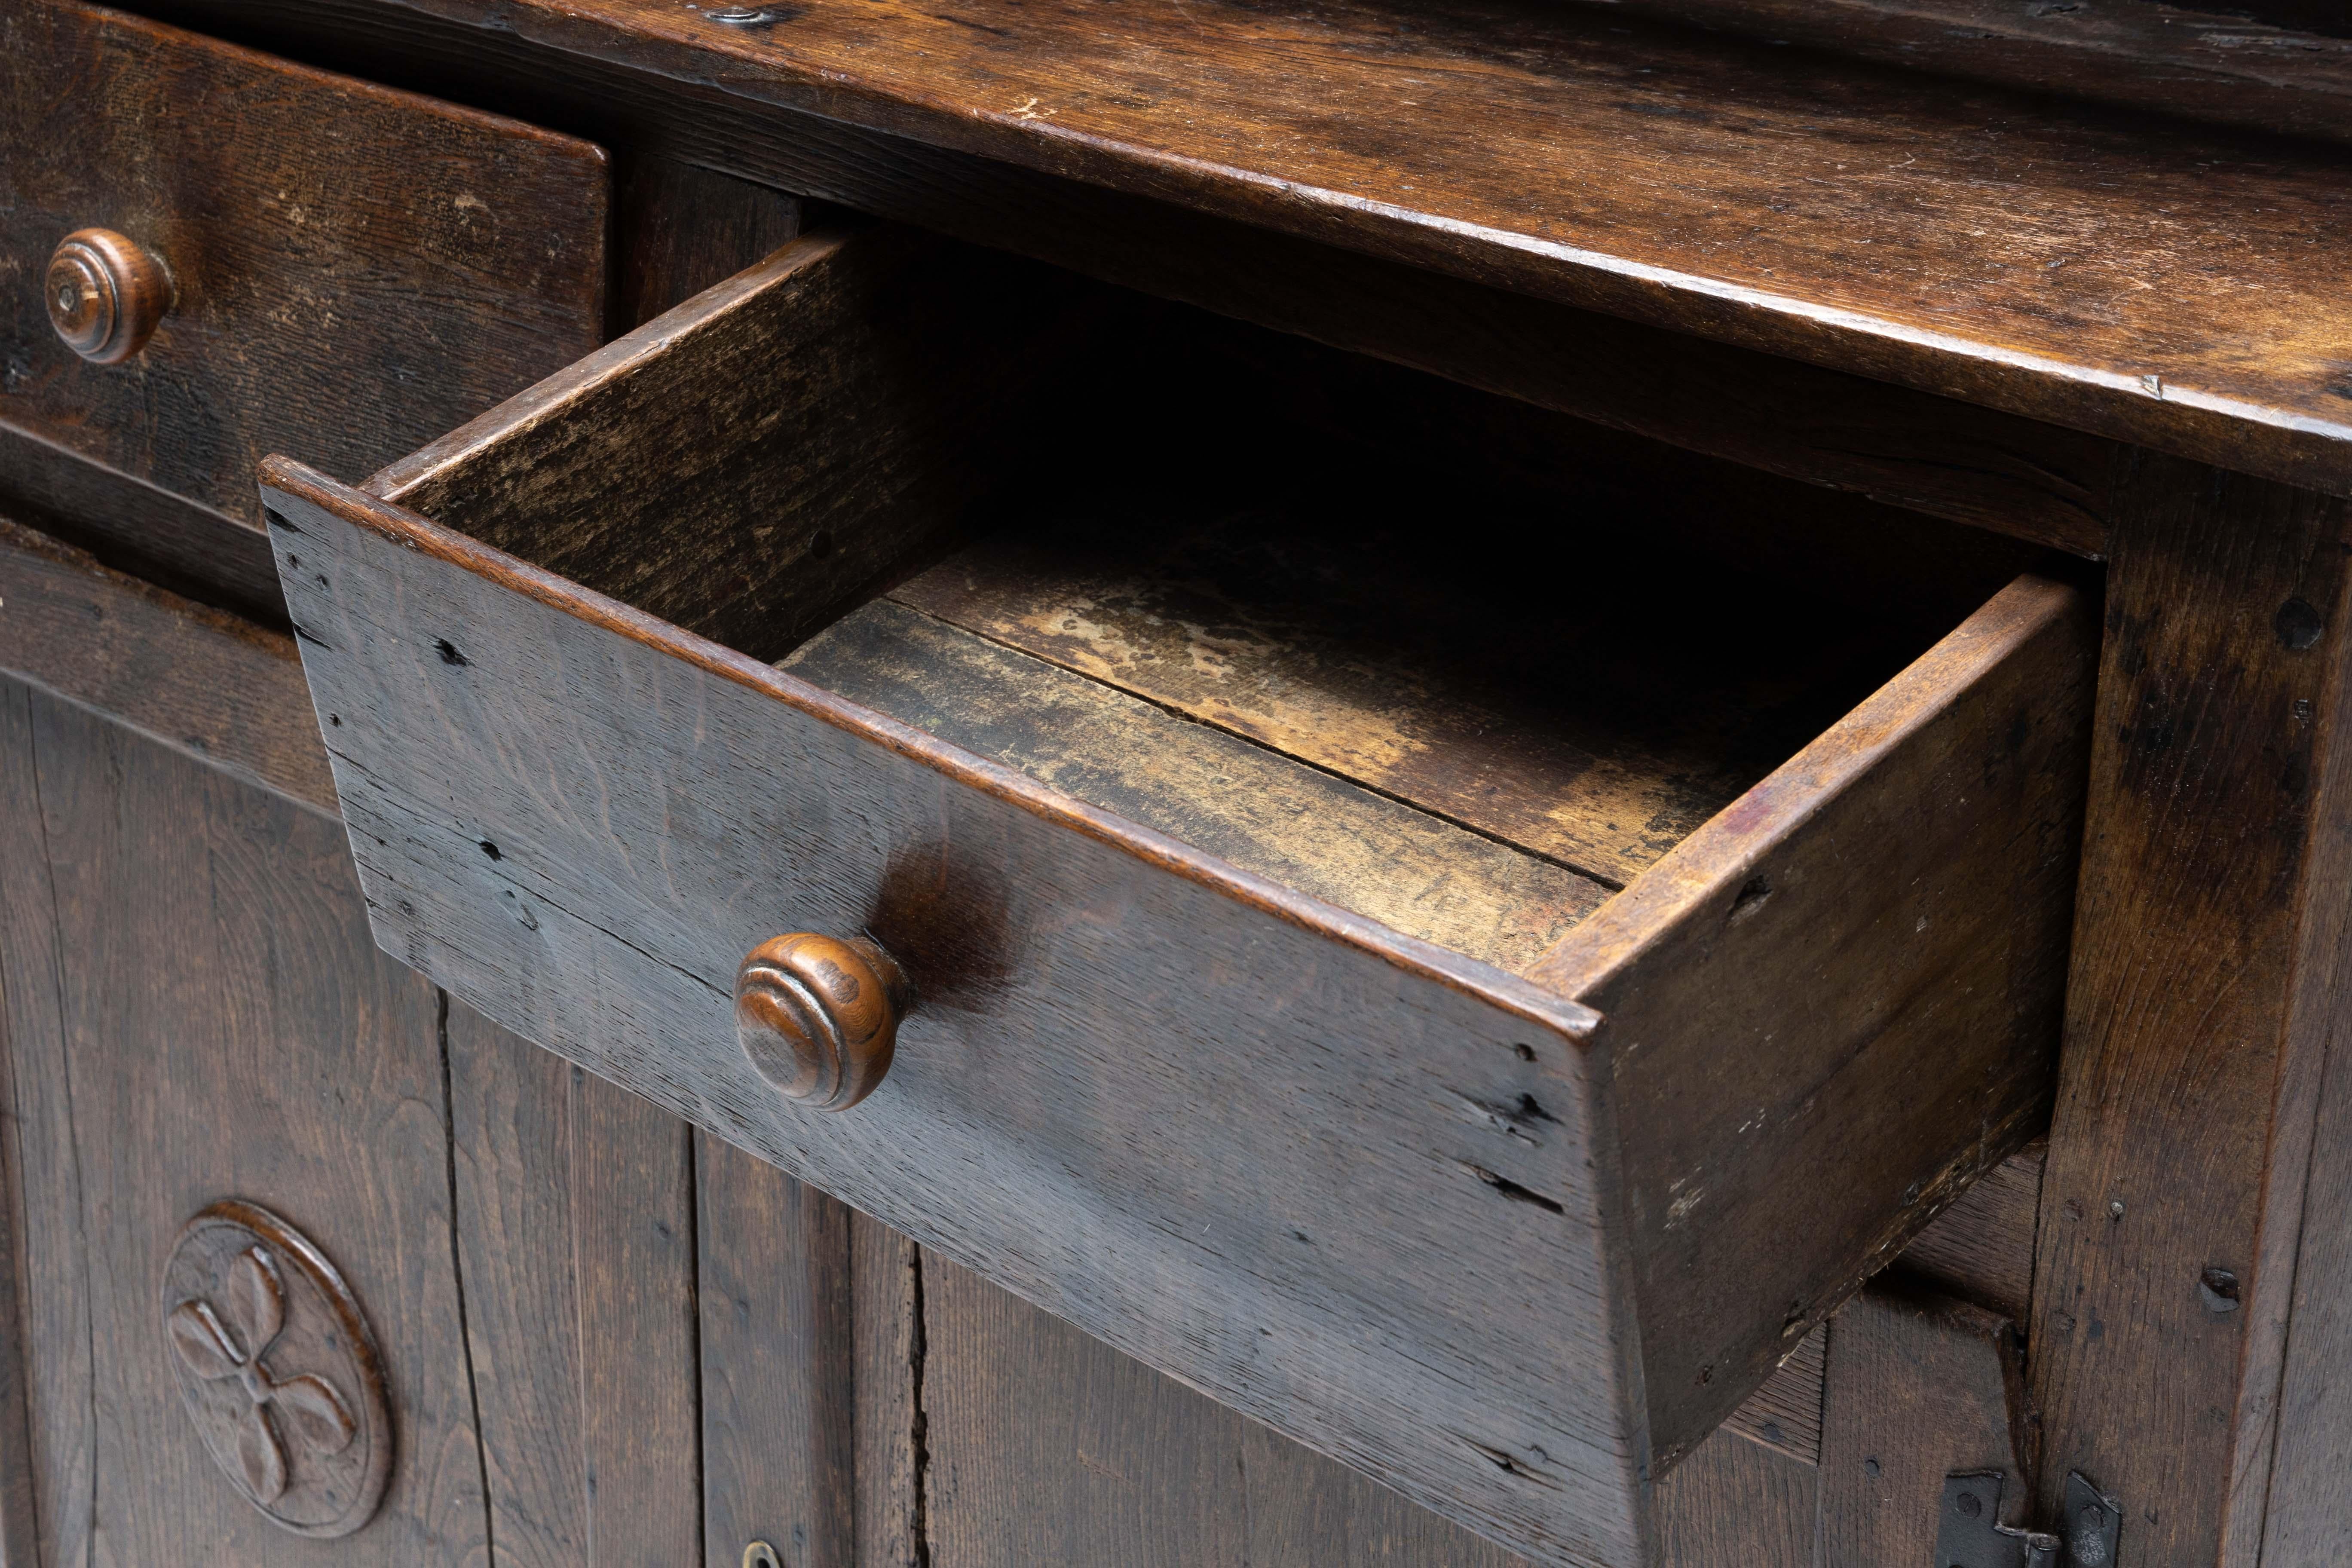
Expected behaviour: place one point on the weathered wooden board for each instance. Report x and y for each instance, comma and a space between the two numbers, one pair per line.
203, 683
356, 270
1362, 1257
1858, 968
1963, 240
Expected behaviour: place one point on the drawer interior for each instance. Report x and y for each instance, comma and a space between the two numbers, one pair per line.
1433, 657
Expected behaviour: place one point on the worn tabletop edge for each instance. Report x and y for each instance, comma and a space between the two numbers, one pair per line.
2148, 408
284, 480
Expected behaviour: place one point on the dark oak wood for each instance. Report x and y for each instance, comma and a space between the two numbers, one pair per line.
1920, 1387
576, 1250
971, 887
891, 1434
1932, 453
226, 1072
2066, 265
1302, 827
2270, 65
1917, 1044
681, 228
200, 682
353, 269
2207, 978
821, 416
2308, 1515
1981, 1248
504, 937
139, 528
782, 1385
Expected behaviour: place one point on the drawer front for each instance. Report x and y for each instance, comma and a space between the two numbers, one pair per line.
333, 269
1511, 1244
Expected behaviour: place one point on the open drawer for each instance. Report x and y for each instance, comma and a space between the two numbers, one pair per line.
1465, 974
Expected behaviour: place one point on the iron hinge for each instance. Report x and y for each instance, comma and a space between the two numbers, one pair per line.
1970, 1534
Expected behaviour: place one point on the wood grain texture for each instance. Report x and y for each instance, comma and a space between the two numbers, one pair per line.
1981, 1249
891, 1433
20, 1478
2308, 1516
2062, 264
275, 1057
1249, 807
1734, 1503
2269, 65
139, 528
201, 681
2207, 972
47, 1254
1911, 876
356, 270
575, 1240
972, 875
821, 417
683, 229
1046, 1446
1785, 1413
1920, 1387
1930, 453
779, 1364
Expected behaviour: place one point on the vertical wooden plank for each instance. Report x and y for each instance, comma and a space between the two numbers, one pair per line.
1734, 1502
2209, 967
231, 1030
778, 1437
45, 1483
892, 1440
684, 229
575, 1228
2310, 1514
1919, 1386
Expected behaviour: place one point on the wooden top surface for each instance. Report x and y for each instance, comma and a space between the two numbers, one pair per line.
2154, 281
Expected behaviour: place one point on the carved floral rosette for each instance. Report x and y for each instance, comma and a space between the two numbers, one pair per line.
277, 1368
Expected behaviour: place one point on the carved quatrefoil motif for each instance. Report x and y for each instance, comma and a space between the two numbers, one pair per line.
277, 1368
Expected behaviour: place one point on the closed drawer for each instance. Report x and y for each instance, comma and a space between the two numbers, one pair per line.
299, 262
1462, 973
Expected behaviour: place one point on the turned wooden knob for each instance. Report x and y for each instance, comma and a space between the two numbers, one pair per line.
819, 1016
107, 296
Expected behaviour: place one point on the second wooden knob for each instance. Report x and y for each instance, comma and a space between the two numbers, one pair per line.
818, 1015
107, 295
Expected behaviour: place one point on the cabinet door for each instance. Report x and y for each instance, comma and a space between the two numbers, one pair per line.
194, 1013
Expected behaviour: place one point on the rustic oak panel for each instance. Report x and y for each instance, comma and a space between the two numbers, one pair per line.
575, 1239
2052, 261
779, 1364
1981, 1248
53, 1330
139, 528
1920, 1387
2269, 65
1021, 916
1858, 968
1297, 827
1734, 1503
205, 683
272, 1056
356, 270
2208, 973
2309, 1514
820, 417
1931, 453
891, 1433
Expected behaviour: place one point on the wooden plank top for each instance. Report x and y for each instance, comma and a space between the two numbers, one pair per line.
2156, 282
